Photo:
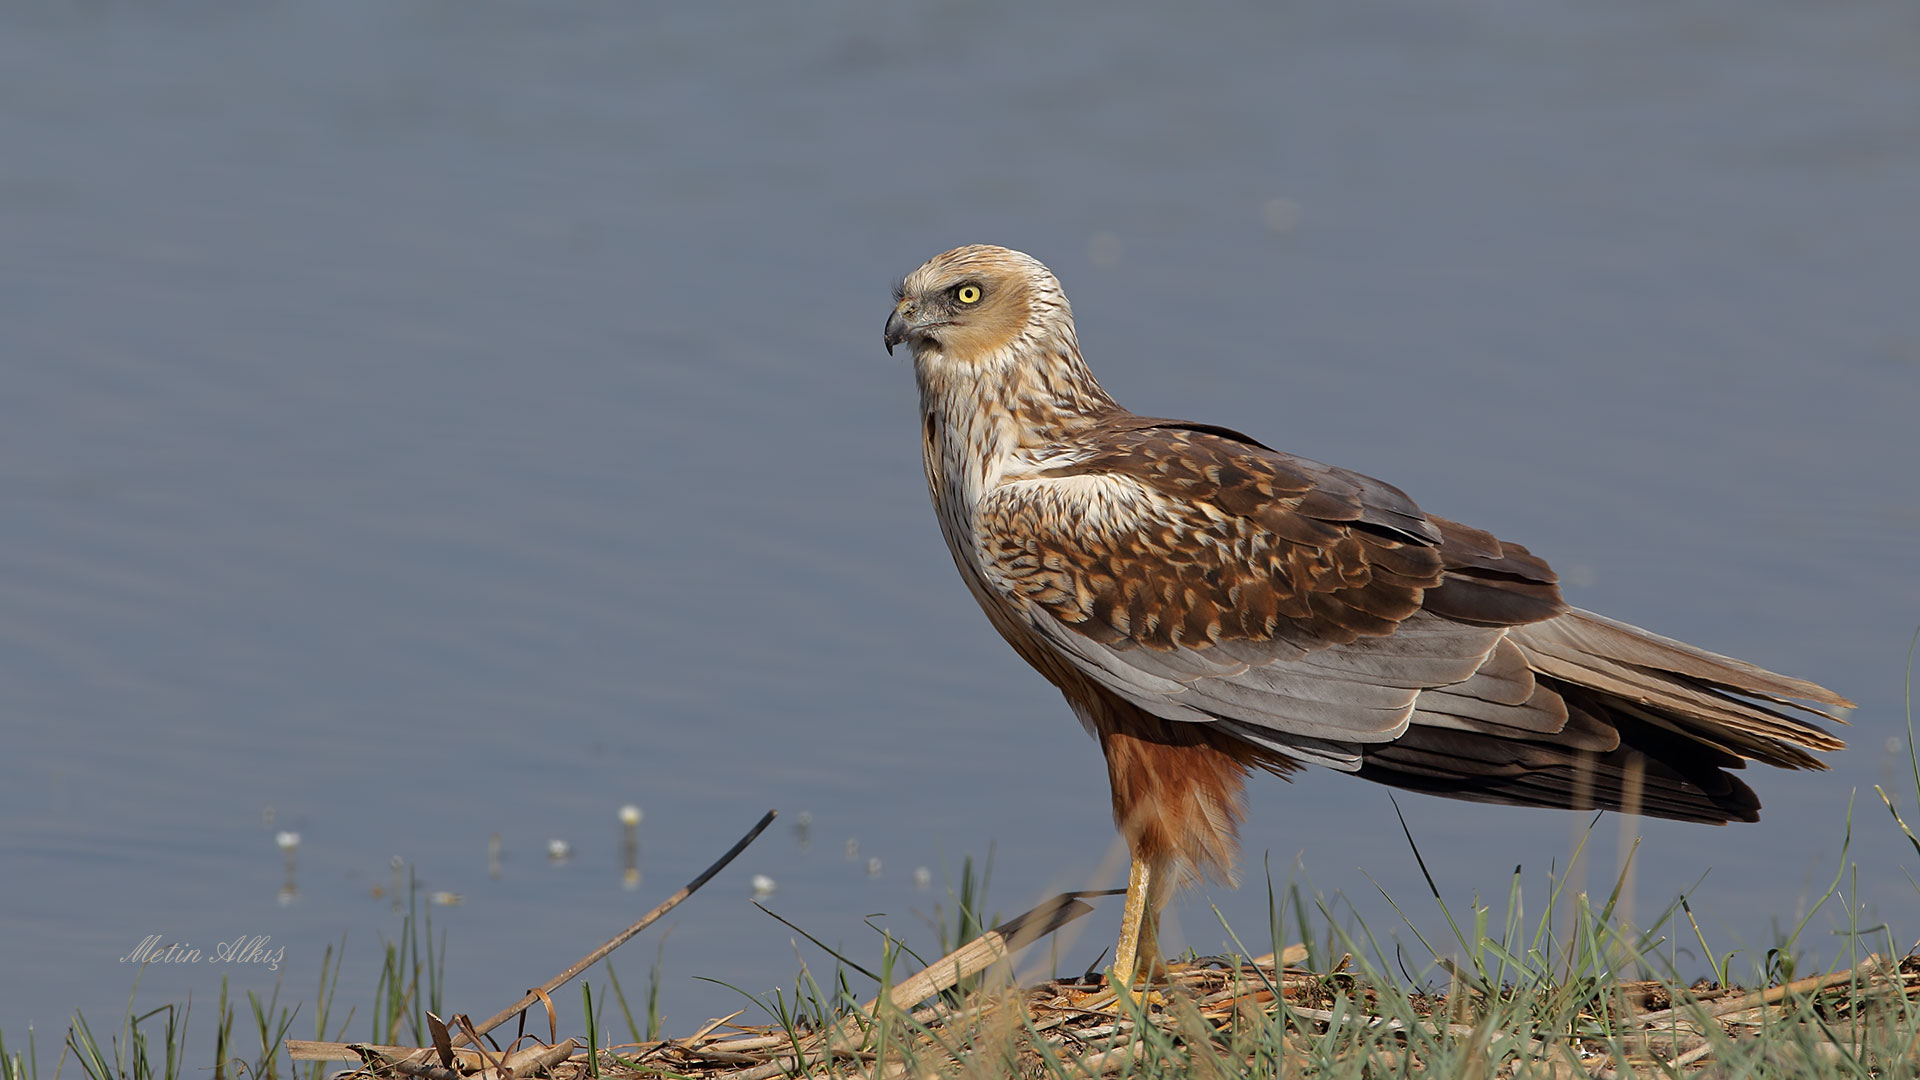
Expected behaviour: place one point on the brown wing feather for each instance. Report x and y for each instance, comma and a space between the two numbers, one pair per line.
1490, 582
1184, 568
1233, 541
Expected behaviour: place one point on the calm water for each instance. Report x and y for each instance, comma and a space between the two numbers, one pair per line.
422, 422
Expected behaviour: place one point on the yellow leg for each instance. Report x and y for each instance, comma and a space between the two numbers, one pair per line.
1138, 953
1149, 966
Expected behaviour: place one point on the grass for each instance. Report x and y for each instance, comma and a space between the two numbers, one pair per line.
1515, 998
1572, 990
154, 1046
1508, 995
1518, 1002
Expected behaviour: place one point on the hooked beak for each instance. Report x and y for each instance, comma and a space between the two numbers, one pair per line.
897, 328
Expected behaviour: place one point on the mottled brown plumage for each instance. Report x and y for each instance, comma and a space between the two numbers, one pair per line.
1209, 605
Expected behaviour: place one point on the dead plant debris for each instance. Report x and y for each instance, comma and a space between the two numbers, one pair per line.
1239, 1010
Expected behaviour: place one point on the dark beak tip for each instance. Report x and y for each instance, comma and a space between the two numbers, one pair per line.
896, 331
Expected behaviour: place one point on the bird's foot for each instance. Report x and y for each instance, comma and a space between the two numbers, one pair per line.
1140, 990
1143, 997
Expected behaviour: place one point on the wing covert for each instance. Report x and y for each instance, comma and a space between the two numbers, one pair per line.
1206, 578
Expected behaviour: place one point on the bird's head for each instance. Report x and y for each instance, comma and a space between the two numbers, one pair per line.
974, 302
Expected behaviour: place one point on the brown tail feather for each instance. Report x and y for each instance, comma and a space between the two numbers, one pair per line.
1652, 771
1683, 716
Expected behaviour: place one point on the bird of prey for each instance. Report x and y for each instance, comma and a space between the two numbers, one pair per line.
1209, 606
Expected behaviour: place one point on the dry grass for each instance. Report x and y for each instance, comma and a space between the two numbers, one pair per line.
1222, 1018
1227, 1016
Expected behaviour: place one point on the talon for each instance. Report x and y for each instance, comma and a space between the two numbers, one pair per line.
1143, 997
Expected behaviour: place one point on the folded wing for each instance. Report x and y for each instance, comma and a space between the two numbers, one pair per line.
1321, 616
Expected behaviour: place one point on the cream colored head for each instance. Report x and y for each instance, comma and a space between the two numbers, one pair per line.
973, 303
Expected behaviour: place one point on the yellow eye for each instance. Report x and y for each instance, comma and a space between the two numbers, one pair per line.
969, 294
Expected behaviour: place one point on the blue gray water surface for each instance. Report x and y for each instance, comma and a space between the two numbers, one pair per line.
424, 422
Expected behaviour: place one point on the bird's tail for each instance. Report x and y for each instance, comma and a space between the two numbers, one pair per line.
1714, 700
1653, 725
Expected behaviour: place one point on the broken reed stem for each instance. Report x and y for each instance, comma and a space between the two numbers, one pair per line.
321, 1050
467, 1036
984, 951
949, 971
1812, 983
531, 1061
317, 1050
